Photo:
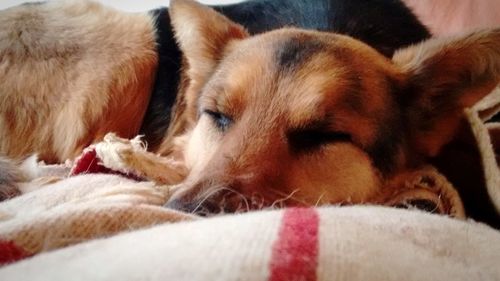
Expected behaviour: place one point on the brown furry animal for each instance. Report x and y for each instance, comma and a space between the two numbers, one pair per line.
291, 116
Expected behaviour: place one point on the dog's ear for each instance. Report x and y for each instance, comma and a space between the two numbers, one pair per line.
444, 77
204, 36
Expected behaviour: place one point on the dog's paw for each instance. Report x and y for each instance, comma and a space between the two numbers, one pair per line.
131, 157
426, 190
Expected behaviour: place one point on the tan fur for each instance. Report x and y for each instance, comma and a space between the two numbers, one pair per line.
219, 33
130, 156
62, 90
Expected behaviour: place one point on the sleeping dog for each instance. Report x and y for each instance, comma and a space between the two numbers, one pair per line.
73, 71
299, 116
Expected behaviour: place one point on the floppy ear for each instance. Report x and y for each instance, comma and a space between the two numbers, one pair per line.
203, 36
444, 77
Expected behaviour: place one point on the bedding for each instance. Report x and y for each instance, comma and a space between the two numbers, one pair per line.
351, 243
105, 221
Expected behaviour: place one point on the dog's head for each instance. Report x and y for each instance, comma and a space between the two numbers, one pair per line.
300, 117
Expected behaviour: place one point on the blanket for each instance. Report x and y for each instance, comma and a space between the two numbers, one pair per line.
84, 227
349, 243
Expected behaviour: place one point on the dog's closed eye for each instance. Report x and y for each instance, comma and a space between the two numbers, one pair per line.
221, 121
305, 140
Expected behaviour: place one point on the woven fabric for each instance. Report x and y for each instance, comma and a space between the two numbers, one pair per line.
80, 224
348, 243
81, 208
488, 141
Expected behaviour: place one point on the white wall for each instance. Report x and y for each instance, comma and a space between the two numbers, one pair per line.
127, 5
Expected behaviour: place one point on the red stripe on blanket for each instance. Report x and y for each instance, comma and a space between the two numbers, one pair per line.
295, 253
10, 252
89, 163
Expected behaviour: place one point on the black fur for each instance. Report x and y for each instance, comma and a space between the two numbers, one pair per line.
291, 53
386, 25
159, 111
383, 151
463, 155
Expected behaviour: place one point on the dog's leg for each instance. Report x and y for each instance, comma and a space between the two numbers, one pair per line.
130, 156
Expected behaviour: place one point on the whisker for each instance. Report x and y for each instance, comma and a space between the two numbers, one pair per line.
287, 196
239, 194
319, 199
282, 200
243, 202
206, 196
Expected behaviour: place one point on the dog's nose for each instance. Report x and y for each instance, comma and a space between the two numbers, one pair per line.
194, 207
180, 205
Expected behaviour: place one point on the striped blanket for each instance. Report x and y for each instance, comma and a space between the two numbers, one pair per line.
349, 243
104, 223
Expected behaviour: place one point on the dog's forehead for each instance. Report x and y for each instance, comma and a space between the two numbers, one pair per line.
289, 48
291, 52
306, 73
299, 54
294, 55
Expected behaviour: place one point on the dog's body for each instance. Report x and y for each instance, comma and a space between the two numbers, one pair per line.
93, 64
73, 71
68, 71
295, 116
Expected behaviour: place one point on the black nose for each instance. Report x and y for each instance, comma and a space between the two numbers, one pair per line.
195, 207
180, 205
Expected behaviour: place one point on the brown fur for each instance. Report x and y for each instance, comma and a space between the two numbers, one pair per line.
62, 90
303, 117
288, 117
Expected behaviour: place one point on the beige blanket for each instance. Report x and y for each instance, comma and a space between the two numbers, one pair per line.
349, 243
41, 232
